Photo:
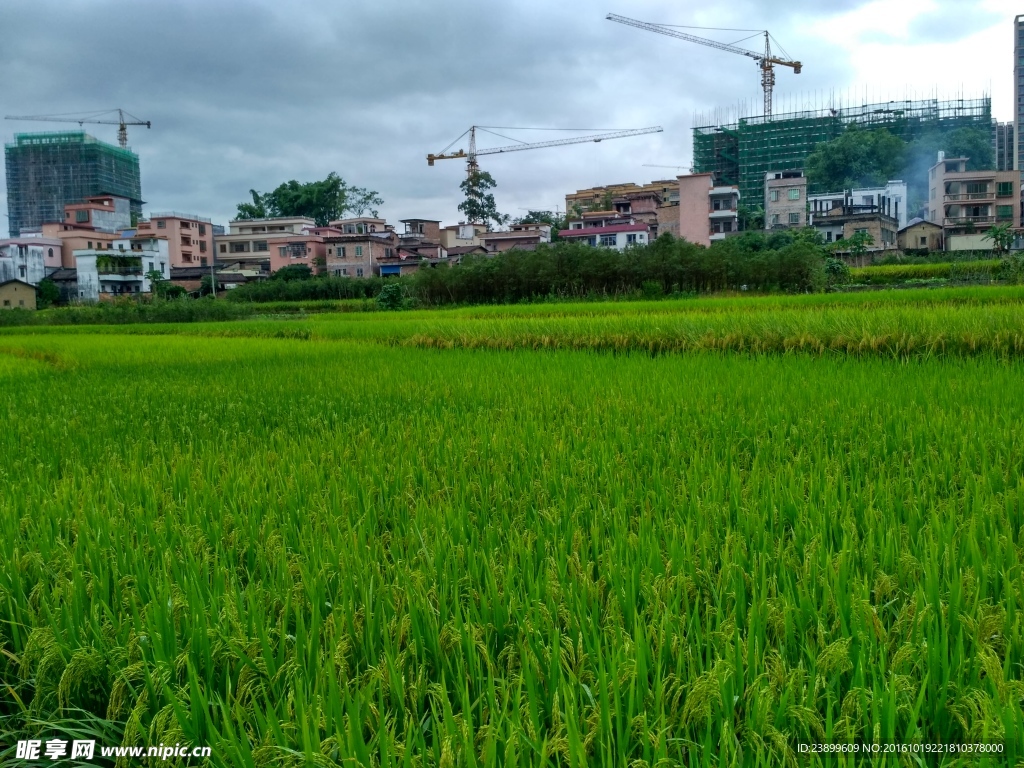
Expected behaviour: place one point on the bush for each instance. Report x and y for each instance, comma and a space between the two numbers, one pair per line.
390, 297
837, 272
47, 293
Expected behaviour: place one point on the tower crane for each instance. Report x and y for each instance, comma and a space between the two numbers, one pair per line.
765, 61
471, 156
677, 167
93, 118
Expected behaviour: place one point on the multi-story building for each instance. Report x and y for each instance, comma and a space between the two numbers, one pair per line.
124, 269
29, 259
189, 237
605, 229
1018, 94
94, 223
968, 203
654, 203
785, 200
358, 254
707, 211
522, 237
46, 171
462, 235
842, 221
892, 197
267, 245
1003, 146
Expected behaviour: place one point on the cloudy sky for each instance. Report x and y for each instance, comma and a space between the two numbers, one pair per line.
249, 93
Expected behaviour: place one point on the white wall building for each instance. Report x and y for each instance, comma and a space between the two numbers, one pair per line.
21, 259
894, 191
121, 270
602, 229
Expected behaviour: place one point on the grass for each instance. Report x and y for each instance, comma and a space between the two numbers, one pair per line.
889, 274
345, 548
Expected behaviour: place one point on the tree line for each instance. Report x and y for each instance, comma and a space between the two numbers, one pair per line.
789, 261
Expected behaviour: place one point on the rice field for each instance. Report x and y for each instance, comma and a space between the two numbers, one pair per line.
554, 535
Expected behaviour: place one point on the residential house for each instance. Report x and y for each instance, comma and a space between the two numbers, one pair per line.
189, 237
968, 203
523, 237
707, 211
606, 229
462, 235
121, 270
270, 244
93, 224
654, 204
843, 221
919, 235
17, 294
892, 196
785, 200
29, 259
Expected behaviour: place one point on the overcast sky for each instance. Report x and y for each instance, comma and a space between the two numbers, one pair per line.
249, 94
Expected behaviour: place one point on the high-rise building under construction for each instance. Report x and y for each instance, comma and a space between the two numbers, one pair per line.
742, 152
46, 171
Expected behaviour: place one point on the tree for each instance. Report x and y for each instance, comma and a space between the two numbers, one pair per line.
47, 293
293, 272
323, 201
857, 158
1002, 237
750, 218
855, 245
158, 283
479, 206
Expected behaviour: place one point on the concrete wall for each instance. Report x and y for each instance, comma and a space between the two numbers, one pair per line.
693, 208
782, 206
22, 261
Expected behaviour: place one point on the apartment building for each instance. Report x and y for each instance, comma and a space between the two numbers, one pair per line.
1018, 94
968, 203
267, 245
189, 237
785, 200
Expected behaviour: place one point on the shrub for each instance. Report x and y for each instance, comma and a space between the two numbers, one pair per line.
390, 297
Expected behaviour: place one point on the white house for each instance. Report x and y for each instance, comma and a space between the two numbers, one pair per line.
28, 259
122, 269
605, 230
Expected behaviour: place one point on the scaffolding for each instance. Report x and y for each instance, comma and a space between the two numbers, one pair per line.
46, 171
742, 152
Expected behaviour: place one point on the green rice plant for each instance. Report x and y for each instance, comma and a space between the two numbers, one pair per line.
410, 539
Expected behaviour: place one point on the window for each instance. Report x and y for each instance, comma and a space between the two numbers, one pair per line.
7, 302
932, 195
89, 243
21, 302
828, 237
866, 200
977, 188
794, 218
344, 271
1004, 189
81, 217
223, 248
341, 252
239, 247
774, 196
161, 224
608, 241
775, 219
859, 230
359, 272
387, 253
1004, 212
260, 246
202, 230
923, 241
49, 253
21, 271
630, 239
202, 246
359, 250
794, 194
202, 261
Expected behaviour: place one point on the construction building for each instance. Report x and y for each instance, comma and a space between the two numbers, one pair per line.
744, 151
46, 171
966, 204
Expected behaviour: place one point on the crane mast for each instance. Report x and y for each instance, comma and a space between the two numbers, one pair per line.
766, 61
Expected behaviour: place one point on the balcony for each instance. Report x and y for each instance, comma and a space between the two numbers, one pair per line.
952, 198
723, 213
969, 221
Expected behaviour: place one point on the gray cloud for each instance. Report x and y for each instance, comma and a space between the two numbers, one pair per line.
249, 94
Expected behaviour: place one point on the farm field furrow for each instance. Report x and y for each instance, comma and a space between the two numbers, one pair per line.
332, 550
